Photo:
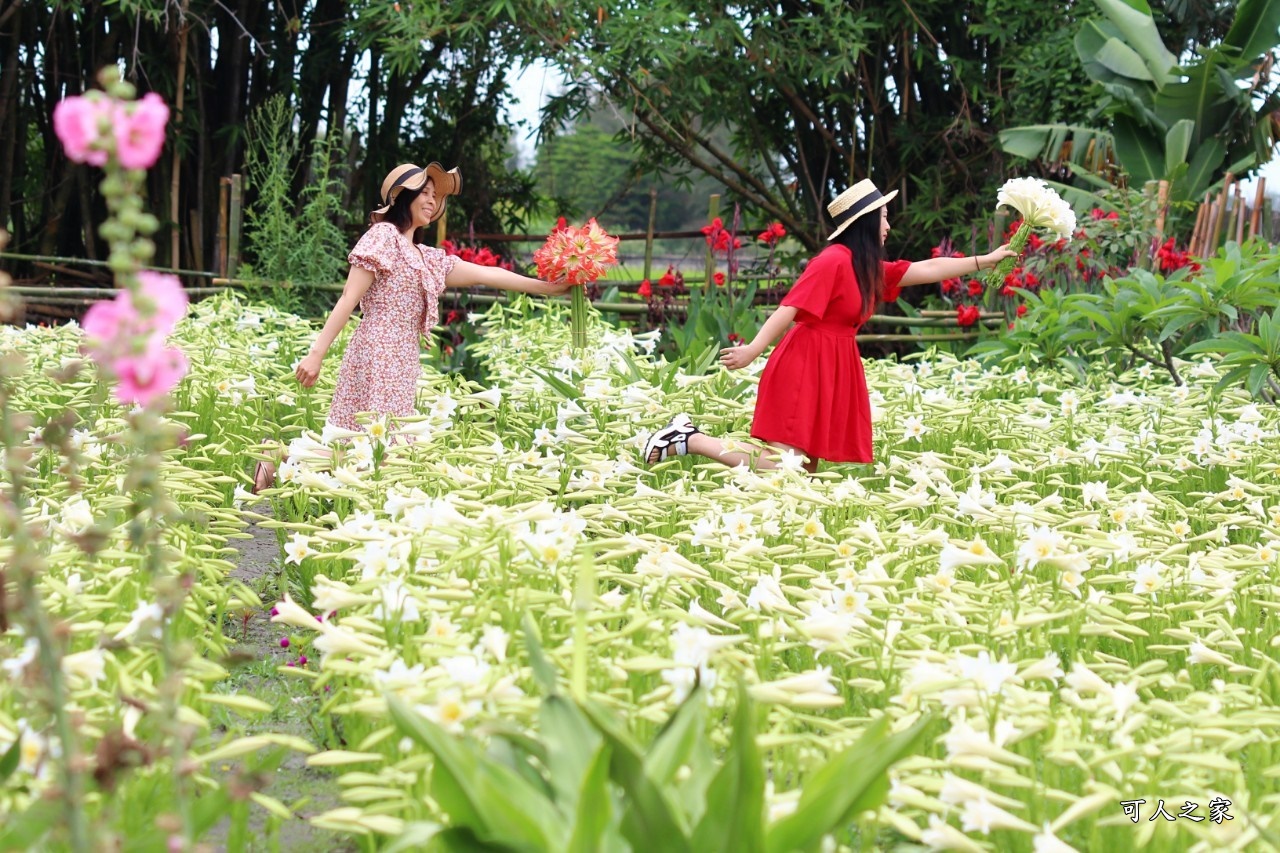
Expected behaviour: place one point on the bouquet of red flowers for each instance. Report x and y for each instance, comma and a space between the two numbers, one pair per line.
577, 256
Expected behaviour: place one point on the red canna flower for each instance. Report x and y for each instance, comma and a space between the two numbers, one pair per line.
718, 278
646, 289
975, 287
967, 315
1022, 311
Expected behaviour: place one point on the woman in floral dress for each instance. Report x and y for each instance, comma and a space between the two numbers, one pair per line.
397, 284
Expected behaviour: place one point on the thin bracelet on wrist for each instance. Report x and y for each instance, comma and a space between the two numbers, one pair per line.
976, 266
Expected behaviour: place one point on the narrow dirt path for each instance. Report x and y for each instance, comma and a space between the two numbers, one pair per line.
306, 791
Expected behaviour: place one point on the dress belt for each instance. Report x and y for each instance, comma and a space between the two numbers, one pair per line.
833, 329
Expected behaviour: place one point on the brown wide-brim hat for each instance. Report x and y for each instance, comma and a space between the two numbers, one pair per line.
853, 203
407, 176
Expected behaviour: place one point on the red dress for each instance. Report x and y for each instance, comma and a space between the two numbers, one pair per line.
813, 393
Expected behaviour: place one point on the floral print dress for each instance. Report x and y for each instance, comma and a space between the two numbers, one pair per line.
381, 366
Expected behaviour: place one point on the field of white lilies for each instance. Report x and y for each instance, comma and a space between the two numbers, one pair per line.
1074, 585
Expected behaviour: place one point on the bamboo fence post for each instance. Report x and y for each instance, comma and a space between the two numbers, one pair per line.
175, 183
235, 223
1259, 199
220, 248
648, 235
193, 239
713, 210
1202, 211
1220, 215
1162, 206
1239, 211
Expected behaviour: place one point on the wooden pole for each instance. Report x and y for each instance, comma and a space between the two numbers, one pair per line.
1162, 206
1220, 214
175, 182
648, 235
713, 210
1259, 199
1239, 216
237, 215
442, 226
1202, 212
220, 248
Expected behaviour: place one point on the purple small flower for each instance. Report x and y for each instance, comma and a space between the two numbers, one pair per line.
302, 660
275, 612
284, 642
288, 663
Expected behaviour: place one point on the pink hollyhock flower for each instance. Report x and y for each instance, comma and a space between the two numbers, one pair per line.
76, 122
139, 130
142, 377
110, 320
170, 300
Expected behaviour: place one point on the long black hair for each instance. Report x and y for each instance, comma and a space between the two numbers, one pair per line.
400, 215
862, 239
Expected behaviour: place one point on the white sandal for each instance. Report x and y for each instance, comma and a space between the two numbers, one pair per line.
671, 440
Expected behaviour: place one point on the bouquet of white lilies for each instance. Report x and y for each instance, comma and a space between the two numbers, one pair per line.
1040, 207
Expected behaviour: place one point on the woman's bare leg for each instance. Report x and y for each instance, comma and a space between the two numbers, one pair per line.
736, 453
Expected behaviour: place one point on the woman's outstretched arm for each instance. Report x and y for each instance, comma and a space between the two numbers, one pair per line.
938, 269
467, 274
736, 358
358, 281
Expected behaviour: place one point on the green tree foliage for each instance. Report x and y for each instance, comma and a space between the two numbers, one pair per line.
407, 81
291, 237
1188, 123
809, 96
593, 170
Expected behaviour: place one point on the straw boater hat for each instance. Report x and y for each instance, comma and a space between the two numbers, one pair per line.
410, 177
862, 197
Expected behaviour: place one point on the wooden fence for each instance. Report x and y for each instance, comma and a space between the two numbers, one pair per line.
1226, 216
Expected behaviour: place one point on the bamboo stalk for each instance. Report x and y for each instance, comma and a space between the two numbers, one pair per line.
926, 338
1162, 206
235, 224
93, 292
90, 262
1259, 199
713, 208
1202, 213
534, 238
220, 247
175, 183
1227, 181
648, 240
1239, 216
937, 313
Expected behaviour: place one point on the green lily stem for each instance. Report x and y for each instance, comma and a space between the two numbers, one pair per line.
995, 278
583, 598
26, 559
578, 315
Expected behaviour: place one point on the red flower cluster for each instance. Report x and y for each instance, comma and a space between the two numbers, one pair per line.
1097, 214
671, 278
1172, 258
1019, 279
718, 238
481, 256
736, 339
718, 278
949, 285
968, 315
771, 235
645, 289
576, 255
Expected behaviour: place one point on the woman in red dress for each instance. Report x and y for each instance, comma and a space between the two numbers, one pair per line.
813, 401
